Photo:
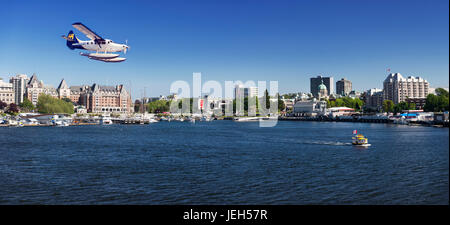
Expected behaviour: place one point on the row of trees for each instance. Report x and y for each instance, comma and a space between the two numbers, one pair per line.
46, 104
433, 103
389, 106
161, 106
354, 103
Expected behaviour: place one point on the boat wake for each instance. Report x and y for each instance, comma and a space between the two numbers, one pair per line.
335, 143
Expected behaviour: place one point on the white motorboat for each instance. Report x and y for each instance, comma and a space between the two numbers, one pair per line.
106, 120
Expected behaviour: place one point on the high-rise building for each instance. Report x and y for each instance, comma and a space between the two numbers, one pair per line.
343, 87
316, 81
399, 89
19, 83
6, 92
250, 92
373, 99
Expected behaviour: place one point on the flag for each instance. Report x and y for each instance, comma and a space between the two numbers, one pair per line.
355, 132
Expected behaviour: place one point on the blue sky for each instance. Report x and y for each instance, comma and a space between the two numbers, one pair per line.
288, 41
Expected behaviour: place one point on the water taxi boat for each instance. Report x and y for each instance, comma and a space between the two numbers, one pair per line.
359, 140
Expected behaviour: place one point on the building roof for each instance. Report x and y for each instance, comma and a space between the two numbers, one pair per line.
33, 79
398, 77
4, 84
322, 86
63, 85
341, 109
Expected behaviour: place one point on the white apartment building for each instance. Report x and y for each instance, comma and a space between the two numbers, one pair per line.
6, 92
398, 89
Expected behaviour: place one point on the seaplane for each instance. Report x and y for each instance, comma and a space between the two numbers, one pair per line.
104, 48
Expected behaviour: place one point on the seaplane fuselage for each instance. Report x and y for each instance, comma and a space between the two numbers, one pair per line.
102, 46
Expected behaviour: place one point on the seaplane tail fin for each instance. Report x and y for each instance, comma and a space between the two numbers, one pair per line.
71, 40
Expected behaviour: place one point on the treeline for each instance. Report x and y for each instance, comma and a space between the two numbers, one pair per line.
438, 102
354, 103
389, 106
161, 106
49, 105
158, 106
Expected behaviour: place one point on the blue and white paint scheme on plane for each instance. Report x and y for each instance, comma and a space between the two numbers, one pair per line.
103, 48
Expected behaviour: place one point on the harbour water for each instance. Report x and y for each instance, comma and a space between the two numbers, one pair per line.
224, 162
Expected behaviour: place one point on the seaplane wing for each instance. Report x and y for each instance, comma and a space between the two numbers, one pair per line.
88, 32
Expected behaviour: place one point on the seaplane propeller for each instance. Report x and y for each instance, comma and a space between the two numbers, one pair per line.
126, 47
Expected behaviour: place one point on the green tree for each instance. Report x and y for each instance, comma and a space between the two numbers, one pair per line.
354, 103
26, 105
437, 103
267, 98
3, 105
339, 102
388, 106
158, 106
281, 104
50, 105
12, 109
67, 100
404, 106
441, 92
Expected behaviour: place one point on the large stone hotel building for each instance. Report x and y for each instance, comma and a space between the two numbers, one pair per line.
95, 98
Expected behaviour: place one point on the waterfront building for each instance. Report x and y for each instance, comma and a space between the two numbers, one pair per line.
36, 88
6, 92
316, 81
440, 117
63, 90
80, 109
19, 83
340, 111
99, 98
309, 108
373, 99
397, 88
75, 93
419, 102
288, 103
343, 87
210, 104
